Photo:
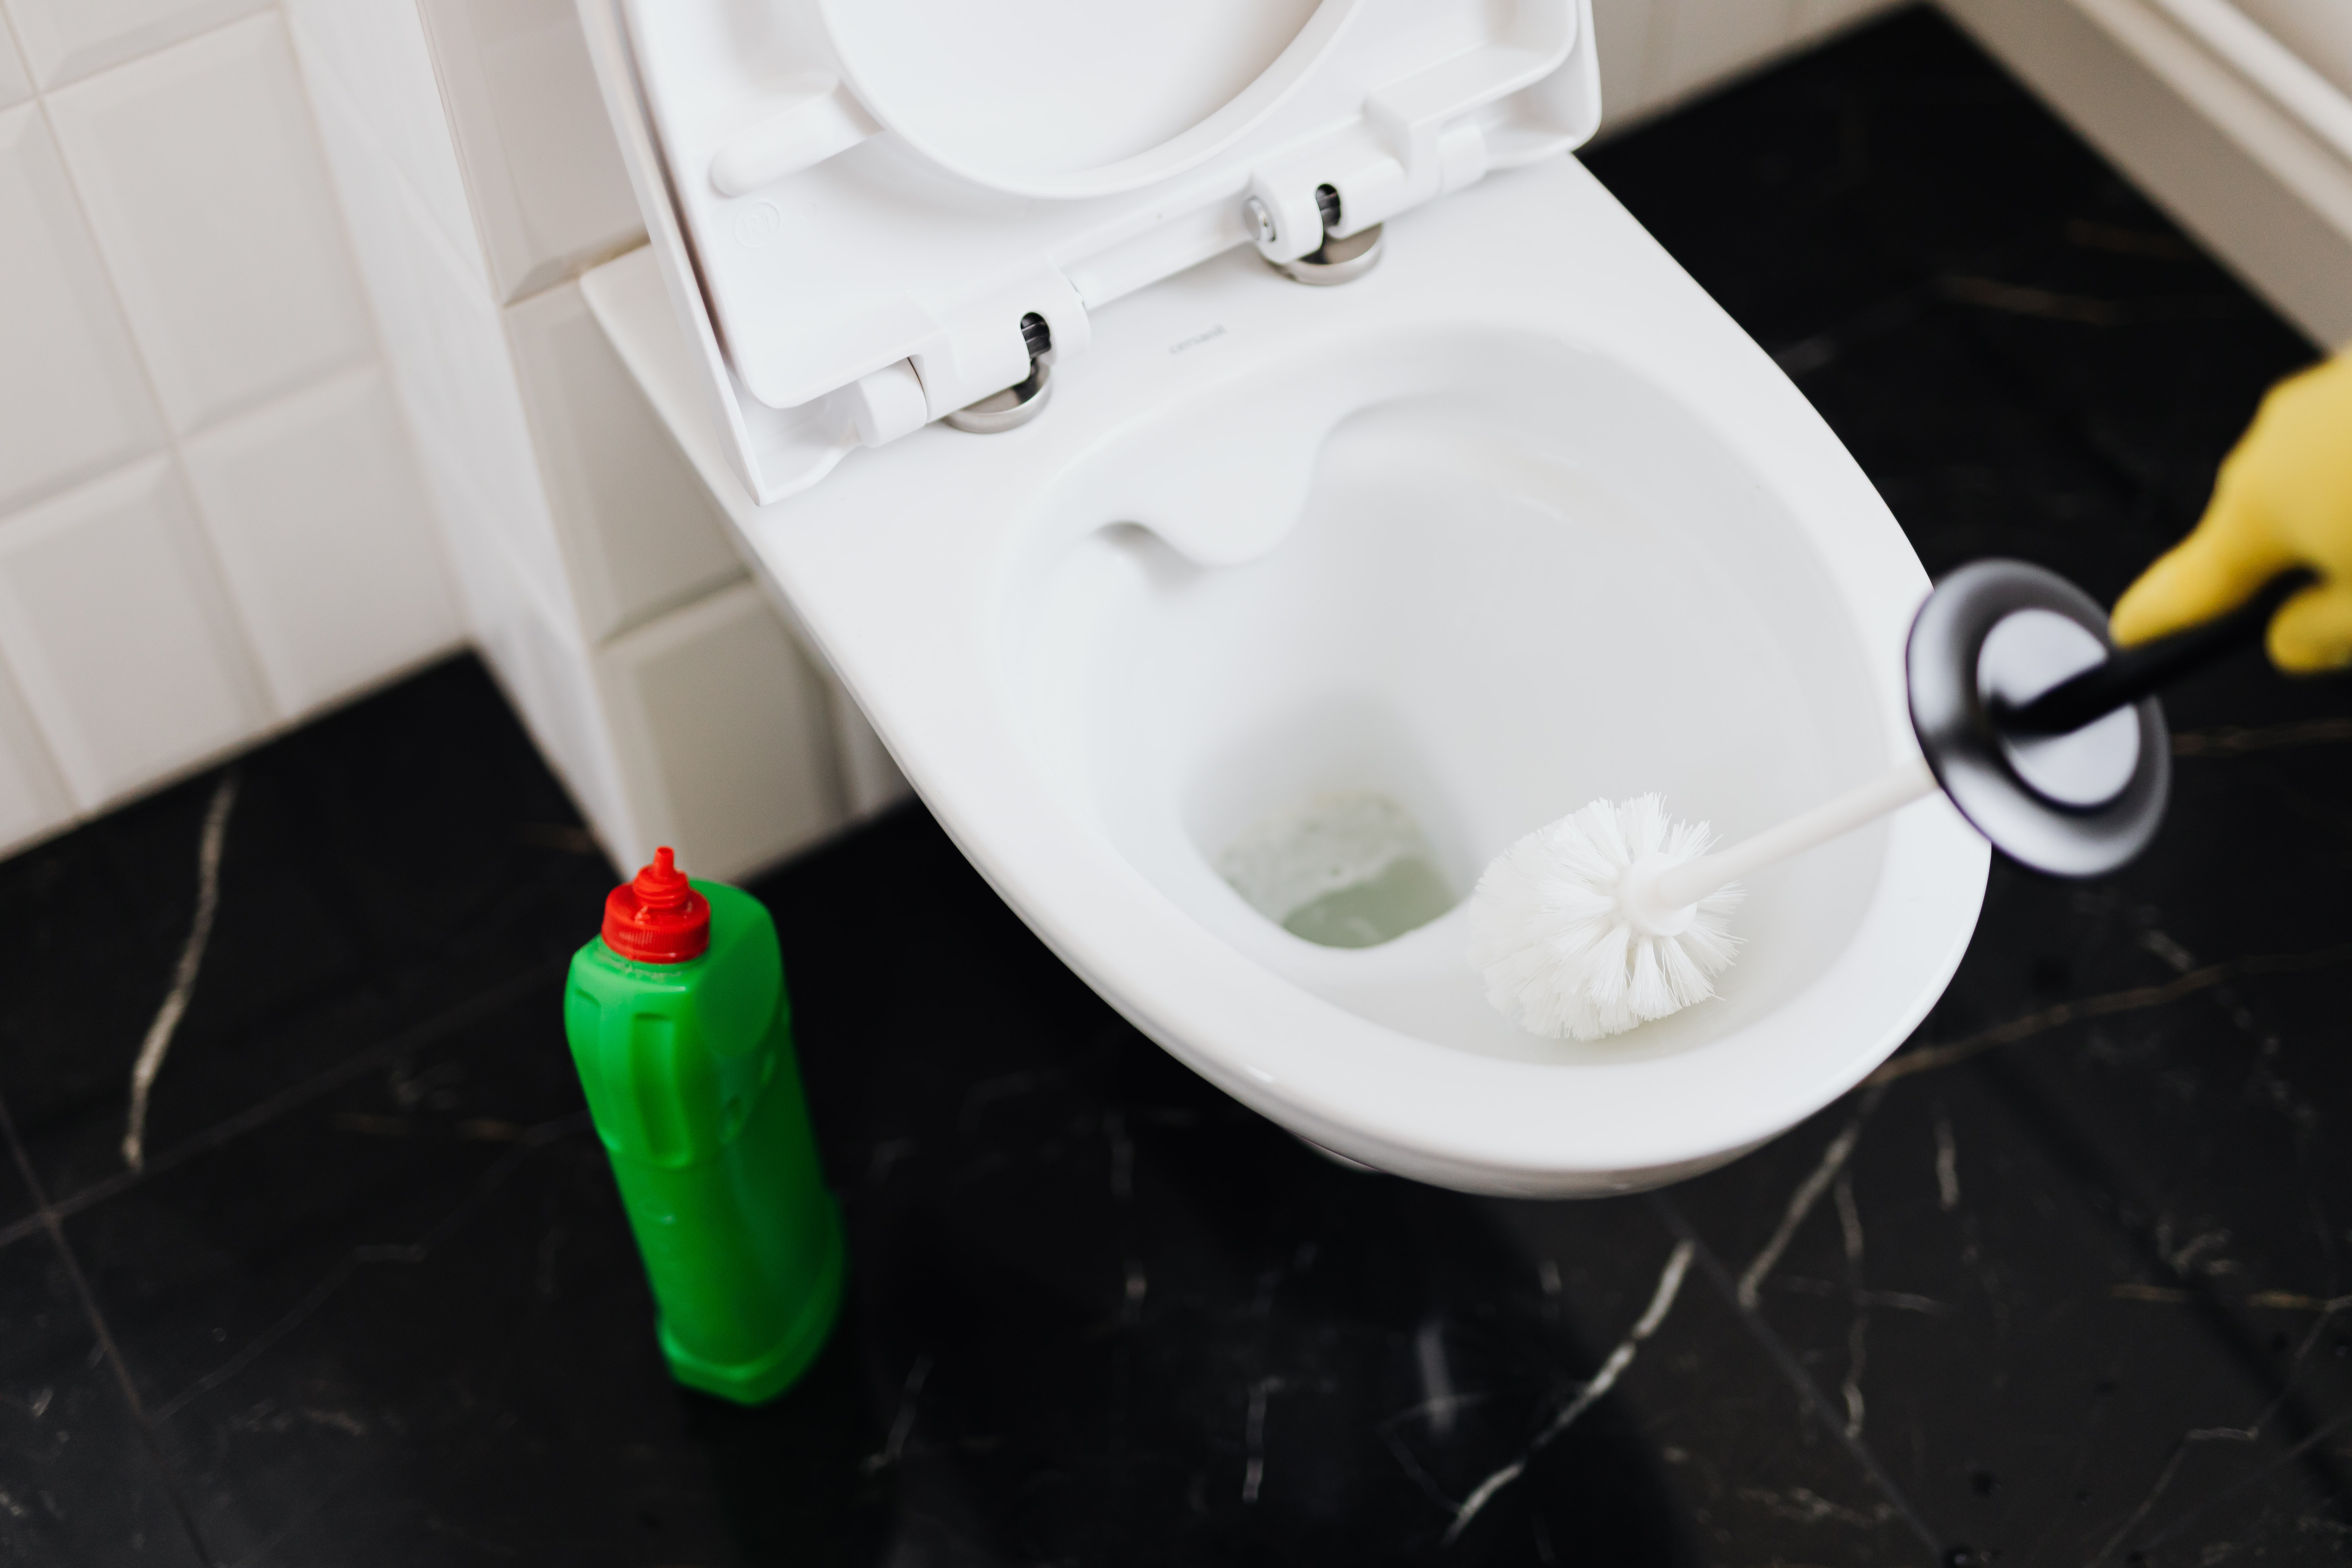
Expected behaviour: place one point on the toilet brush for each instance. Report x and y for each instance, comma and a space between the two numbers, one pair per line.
2045, 736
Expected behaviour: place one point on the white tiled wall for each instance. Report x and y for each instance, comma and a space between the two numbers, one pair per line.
16, 86
211, 519
640, 534
115, 624
1656, 54
67, 40
549, 196
320, 529
76, 403
471, 150
692, 759
240, 289
33, 797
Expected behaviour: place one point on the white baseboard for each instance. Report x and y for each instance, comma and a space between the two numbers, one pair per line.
2231, 163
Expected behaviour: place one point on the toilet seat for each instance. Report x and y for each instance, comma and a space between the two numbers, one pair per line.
950, 582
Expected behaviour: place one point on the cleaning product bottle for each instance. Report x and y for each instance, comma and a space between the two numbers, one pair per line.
682, 1034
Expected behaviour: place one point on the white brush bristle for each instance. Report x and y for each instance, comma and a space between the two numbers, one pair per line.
1559, 957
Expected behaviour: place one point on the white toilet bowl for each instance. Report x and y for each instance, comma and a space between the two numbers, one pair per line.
1517, 521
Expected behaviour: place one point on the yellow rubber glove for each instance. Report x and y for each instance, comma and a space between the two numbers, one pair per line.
2283, 498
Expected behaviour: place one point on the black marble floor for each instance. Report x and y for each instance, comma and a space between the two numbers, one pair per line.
2065, 1285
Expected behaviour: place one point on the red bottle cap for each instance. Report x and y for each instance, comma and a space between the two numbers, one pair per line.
658, 918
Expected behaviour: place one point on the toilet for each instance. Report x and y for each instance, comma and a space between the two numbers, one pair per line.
1249, 473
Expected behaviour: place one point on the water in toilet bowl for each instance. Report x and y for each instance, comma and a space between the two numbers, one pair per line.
1341, 868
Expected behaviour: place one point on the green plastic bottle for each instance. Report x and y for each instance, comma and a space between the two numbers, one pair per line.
683, 1036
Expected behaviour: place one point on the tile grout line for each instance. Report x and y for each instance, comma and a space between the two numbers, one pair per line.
260, 1114
51, 1223
1720, 1277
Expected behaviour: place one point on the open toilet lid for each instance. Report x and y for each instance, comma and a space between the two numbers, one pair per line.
1067, 98
862, 199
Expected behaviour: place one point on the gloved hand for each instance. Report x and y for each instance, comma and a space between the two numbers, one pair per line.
2283, 498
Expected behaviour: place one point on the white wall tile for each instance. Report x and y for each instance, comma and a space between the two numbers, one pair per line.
550, 191
1815, 17
638, 527
33, 798
375, 56
113, 621
485, 597
544, 668
870, 780
324, 533
1622, 31
15, 84
567, 717
201, 171
68, 39
473, 414
73, 399
724, 733
394, 238
448, 354
1711, 40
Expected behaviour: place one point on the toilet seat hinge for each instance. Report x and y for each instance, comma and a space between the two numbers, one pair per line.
1300, 228
985, 366
1337, 260
1024, 399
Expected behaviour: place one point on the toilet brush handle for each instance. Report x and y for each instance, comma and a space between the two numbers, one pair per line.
1693, 880
2126, 676
2129, 673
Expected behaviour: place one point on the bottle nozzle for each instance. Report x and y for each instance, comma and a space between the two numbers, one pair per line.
657, 918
